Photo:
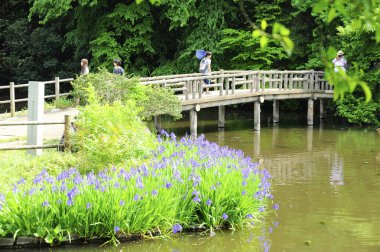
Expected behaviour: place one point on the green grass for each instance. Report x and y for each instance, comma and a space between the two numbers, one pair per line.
13, 139
17, 164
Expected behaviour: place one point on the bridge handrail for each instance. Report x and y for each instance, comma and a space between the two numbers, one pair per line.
190, 84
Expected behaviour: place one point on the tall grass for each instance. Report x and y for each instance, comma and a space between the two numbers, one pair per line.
187, 183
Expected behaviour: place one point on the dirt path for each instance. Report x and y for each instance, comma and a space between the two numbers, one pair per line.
49, 131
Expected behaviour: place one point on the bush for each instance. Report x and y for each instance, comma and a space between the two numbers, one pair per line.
109, 135
109, 88
357, 110
61, 103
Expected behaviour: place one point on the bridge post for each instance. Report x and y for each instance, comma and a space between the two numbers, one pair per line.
310, 111
193, 123
276, 111
36, 93
321, 109
256, 120
221, 116
157, 123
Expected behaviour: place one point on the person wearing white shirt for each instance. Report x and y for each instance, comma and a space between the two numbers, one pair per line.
340, 61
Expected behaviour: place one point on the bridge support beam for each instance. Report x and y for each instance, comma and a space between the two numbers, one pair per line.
221, 116
256, 120
157, 123
321, 109
276, 111
193, 123
310, 112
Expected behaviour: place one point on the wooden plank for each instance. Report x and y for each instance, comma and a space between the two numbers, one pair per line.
30, 147
20, 123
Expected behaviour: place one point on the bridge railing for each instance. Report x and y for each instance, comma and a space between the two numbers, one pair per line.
231, 82
192, 86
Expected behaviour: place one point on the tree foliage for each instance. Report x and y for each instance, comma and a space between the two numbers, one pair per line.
160, 37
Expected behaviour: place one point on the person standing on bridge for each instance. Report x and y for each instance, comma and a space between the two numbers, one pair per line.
340, 61
117, 67
205, 68
84, 67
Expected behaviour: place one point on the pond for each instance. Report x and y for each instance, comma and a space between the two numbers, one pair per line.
326, 180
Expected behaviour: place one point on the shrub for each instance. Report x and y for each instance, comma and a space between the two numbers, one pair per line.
61, 103
109, 88
110, 135
357, 110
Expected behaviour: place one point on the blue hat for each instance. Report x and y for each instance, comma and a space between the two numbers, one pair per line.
200, 54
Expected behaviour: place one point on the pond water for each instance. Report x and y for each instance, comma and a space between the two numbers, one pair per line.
325, 179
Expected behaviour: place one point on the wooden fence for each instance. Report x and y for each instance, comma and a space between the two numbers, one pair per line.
66, 122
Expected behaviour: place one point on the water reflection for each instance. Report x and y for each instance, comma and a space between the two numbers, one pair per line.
326, 181
336, 177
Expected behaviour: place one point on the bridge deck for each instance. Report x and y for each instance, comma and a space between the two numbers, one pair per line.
214, 98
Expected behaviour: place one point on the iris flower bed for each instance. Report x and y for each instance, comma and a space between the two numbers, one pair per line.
188, 183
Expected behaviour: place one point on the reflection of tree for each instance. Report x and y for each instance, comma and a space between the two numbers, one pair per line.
336, 176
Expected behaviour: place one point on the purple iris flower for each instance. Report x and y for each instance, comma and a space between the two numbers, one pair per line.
276, 207
116, 229
154, 192
224, 216
196, 199
121, 203
208, 202
168, 185
45, 203
88, 205
136, 197
177, 228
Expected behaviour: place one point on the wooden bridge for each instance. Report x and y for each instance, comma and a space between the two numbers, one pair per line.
227, 88
236, 87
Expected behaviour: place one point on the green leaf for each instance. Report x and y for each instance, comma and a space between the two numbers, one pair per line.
289, 44
57, 229
264, 24
256, 33
356, 24
263, 41
49, 239
331, 15
378, 35
15, 234
276, 28
284, 31
339, 5
367, 91
331, 52
320, 6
